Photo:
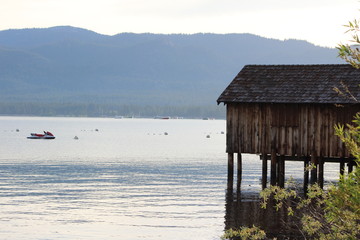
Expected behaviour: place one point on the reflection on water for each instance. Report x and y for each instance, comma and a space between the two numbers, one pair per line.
244, 210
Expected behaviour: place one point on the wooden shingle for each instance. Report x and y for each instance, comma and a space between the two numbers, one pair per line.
293, 84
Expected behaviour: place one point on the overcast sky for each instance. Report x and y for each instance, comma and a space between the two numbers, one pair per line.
317, 21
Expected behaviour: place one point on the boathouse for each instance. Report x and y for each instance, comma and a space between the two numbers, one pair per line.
287, 113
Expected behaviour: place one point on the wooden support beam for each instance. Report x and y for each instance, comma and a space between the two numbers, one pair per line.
313, 175
239, 172
281, 173
273, 167
230, 171
321, 173
278, 170
306, 175
264, 170
342, 167
351, 166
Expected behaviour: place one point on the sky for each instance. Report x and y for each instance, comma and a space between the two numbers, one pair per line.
320, 22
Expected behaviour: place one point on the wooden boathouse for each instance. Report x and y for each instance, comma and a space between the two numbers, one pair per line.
287, 113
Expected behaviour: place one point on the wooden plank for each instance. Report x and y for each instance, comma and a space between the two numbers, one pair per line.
268, 129
304, 130
229, 130
296, 144
250, 128
245, 129
326, 132
318, 120
311, 131
273, 167
334, 139
256, 129
241, 117
262, 129
235, 121
289, 145
282, 147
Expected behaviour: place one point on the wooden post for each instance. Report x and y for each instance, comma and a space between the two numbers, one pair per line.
281, 172
351, 166
342, 166
306, 174
239, 172
313, 176
342, 160
273, 167
230, 171
321, 173
278, 170
264, 170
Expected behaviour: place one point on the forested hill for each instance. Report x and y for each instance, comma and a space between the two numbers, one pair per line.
73, 65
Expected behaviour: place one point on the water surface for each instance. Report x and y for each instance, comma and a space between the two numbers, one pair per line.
122, 179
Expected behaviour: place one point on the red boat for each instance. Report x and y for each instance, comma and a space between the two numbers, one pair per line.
46, 135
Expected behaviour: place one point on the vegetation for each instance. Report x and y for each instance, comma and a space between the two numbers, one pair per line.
109, 110
245, 233
351, 54
333, 213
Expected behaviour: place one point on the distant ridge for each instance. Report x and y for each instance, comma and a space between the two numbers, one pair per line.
68, 64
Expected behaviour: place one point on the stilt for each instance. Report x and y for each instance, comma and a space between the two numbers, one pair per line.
350, 166
321, 173
313, 176
264, 170
342, 166
306, 175
281, 172
239, 172
273, 167
230, 171
278, 170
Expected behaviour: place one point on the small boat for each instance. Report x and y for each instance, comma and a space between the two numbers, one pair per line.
46, 135
164, 118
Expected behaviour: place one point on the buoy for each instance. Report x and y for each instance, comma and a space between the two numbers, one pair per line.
207, 136
76, 138
165, 133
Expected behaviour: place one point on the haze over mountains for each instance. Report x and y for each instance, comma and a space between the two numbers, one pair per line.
64, 65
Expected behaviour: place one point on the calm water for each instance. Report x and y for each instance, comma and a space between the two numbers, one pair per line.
128, 180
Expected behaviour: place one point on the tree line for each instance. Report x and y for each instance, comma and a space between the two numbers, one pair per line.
109, 110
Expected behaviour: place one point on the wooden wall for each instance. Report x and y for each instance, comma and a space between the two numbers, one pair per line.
290, 129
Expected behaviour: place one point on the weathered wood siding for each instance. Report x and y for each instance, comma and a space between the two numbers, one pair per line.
290, 129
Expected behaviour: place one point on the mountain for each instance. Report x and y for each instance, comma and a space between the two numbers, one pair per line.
67, 64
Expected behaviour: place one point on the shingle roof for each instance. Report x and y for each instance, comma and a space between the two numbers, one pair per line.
292, 84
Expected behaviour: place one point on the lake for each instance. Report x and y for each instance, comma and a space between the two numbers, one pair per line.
121, 179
